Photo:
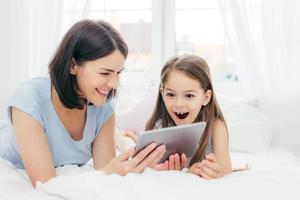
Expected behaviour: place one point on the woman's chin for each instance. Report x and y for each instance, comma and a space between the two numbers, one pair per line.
98, 102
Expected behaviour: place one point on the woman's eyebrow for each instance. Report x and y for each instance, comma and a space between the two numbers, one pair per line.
110, 70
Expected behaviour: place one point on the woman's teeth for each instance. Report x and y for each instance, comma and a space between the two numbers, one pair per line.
102, 92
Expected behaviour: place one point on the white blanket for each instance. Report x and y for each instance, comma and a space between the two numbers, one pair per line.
273, 175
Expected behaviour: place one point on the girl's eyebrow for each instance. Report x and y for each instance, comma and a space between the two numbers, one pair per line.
169, 89
110, 70
184, 91
190, 91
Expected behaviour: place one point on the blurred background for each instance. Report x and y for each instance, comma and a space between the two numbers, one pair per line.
251, 46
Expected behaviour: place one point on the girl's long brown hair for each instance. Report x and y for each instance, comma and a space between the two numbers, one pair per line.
197, 69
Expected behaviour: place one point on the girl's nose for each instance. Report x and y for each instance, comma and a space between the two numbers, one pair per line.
179, 102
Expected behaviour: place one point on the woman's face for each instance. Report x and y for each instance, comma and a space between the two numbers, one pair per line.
183, 97
97, 78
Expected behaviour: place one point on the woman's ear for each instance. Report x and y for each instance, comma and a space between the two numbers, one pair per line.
207, 97
73, 70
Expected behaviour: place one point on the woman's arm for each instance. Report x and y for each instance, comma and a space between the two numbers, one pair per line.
104, 145
33, 147
104, 154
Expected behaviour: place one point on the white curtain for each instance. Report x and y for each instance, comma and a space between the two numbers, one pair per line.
265, 38
30, 33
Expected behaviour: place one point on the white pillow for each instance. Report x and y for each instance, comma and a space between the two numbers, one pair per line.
248, 128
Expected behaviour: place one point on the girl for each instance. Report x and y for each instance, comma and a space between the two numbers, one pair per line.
186, 96
69, 117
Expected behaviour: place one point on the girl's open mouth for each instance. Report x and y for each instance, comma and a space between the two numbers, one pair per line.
181, 115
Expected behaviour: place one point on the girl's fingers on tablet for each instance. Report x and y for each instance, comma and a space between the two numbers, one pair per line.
171, 162
177, 162
183, 160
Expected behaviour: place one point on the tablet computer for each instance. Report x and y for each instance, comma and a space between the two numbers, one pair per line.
178, 139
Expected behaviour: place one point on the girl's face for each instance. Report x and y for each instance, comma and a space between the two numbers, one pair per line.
97, 78
183, 97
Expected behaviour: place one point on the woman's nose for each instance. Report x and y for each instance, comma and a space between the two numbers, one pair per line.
113, 82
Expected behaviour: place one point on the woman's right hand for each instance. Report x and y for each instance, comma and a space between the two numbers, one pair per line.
123, 165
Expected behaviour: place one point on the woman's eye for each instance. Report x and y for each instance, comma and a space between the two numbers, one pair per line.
104, 74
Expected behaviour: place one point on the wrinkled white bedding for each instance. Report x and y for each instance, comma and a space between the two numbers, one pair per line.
273, 175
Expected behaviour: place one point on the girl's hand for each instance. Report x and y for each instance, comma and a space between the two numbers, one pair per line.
126, 140
174, 163
208, 168
131, 134
123, 165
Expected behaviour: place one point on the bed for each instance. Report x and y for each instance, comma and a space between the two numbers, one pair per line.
274, 172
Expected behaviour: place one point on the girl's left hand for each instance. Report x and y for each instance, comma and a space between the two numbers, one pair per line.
208, 168
175, 162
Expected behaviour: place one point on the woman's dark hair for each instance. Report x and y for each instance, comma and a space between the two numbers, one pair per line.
86, 40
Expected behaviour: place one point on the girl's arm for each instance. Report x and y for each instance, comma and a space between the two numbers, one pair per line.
221, 146
33, 147
215, 164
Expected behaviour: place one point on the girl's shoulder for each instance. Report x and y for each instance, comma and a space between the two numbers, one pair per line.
219, 133
218, 126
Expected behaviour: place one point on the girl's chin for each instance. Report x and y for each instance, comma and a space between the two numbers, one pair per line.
182, 121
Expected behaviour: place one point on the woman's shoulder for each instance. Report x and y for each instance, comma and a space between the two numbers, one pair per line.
31, 97
35, 87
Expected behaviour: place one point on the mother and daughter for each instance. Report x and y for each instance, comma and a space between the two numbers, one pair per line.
68, 118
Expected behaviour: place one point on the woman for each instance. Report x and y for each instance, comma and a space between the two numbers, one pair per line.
69, 117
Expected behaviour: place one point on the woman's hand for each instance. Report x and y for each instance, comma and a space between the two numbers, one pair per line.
208, 168
123, 165
175, 162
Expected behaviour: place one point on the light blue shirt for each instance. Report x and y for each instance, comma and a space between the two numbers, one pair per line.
34, 98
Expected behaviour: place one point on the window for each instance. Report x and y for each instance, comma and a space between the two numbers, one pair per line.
200, 31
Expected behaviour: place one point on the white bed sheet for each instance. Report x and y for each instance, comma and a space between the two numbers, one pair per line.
273, 175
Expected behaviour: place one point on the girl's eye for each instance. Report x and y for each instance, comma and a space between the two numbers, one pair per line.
190, 95
170, 94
